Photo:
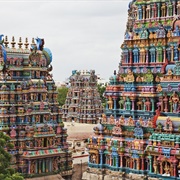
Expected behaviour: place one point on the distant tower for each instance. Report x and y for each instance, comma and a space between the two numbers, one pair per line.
83, 103
140, 130
29, 110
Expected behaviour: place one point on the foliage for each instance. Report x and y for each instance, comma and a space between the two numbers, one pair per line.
101, 90
62, 93
6, 172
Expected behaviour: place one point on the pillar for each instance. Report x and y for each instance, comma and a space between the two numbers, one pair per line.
172, 53
144, 11
132, 104
29, 167
174, 7
161, 168
101, 157
130, 54
175, 174
121, 160
36, 164
164, 58
152, 101
138, 164
147, 55
43, 165
47, 165
50, 165
40, 166
150, 164
114, 99
117, 160
158, 4
106, 104
142, 163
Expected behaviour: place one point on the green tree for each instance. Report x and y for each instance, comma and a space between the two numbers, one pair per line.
62, 93
101, 90
6, 172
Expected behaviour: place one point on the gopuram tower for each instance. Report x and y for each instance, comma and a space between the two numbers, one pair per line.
83, 102
139, 134
29, 111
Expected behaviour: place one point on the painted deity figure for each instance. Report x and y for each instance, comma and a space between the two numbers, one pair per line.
175, 101
128, 104
130, 121
176, 31
93, 158
122, 102
122, 121
178, 8
130, 76
141, 122
147, 104
140, 104
110, 103
168, 124
148, 77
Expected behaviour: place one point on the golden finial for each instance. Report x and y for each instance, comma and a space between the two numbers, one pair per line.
6, 41
13, 42
26, 43
33, 43
20, 43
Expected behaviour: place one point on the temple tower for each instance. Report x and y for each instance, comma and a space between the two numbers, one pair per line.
83, 103
139, 132
29, 111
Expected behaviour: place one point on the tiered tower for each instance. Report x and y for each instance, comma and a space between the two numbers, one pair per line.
29, 110
83, 103
140, 131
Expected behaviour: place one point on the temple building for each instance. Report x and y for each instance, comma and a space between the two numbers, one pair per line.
139, 133
29, 111
83, 102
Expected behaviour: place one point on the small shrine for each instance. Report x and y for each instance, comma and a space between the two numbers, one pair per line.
29, 111
83, 102
139, 132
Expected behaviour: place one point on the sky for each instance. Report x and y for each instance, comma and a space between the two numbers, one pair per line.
82, 34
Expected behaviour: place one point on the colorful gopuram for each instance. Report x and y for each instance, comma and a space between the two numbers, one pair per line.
29, 111
139, 134
83, 102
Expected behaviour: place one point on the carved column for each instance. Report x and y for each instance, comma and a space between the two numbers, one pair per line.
43, 165
158, 4
121, 160
36, 164
117, 160
164, 58
138, 164
152, 102
161, 168
172, 53
101, 157
132, 104
29, 167
106, 104
174, 7
147, 55
150, 164
40, 166
130, 54
47, 165
144, 11
142, 163
175, 174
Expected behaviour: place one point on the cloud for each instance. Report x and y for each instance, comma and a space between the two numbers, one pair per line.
80, 34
